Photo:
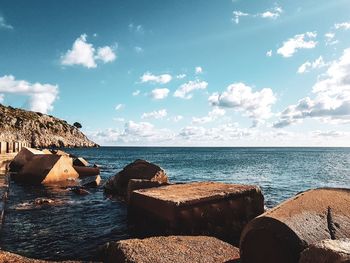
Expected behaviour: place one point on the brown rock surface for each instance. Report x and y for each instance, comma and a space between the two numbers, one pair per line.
46, 169
280, 234
137, 184
178, 249
24, 156
201, 208
7, 257
139, 169
39, 130
327, 251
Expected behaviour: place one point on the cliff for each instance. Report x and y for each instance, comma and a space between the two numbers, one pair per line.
39, 130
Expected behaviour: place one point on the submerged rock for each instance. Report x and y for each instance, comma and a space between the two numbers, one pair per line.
139, 169
91, 181
179, 249
327, 251
79, 190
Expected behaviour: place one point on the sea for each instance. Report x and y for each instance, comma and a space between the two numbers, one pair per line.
76, 225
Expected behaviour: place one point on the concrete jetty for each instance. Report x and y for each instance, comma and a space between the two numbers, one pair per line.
200, 208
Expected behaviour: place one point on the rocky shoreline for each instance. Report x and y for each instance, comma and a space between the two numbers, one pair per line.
39, 130
206, 221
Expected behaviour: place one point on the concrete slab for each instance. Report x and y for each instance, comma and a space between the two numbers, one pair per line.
179, 249
46, 169
3, 147
80, 162
209, 208
282, 233
24, 156
326, 251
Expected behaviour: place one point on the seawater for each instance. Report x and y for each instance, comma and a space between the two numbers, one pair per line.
76, 225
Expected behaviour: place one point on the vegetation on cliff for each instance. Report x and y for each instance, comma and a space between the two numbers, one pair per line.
39, 130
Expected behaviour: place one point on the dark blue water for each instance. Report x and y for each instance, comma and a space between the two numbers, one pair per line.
76, 225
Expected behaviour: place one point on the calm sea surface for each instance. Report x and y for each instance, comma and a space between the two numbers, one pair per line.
76, 225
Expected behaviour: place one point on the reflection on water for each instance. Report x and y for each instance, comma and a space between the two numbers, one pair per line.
74, 226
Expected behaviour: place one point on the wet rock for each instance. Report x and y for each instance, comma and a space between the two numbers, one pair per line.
79, 190
137, 184
87, 171
282, 233
23, 157
201, 208
46, 169
8, 257
140, 169
179, 249
43, 201
91, 181
327, 251
80, 162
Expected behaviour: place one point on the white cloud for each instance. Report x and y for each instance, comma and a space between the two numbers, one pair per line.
181, 76
198, 70
138, 49
106, 54
269, 53
176, 118
160, 114
84, 54
136, 28
184, 91
330, 39
237, 15
240, 97
345, 25
119, 107
212, 115
301, 41
272, 14
331, 102
159, 94
3, 24
41, 96
307, 66
149, 77
136, 93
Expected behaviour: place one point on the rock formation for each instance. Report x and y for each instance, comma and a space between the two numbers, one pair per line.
39, 130
139, 169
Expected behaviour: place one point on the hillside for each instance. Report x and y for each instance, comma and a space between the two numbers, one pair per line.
39, 130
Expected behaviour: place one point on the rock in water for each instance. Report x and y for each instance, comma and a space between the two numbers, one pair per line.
8, 257
179, 249
80, 162
39, 130
46, 169
140, 169
327, 251
23, 157
91, 181
282, 233
137, 184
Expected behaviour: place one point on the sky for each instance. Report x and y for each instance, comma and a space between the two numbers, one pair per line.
183, 72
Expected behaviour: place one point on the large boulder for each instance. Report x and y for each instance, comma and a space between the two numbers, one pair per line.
46, 169
137, 184
179, 249
23, 157
327, 251
139, 169
282, 233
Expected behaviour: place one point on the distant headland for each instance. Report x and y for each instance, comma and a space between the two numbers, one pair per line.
39, 130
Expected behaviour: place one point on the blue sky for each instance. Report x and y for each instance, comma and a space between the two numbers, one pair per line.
184, 72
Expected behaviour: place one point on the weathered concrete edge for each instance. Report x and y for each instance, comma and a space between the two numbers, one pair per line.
3, 197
